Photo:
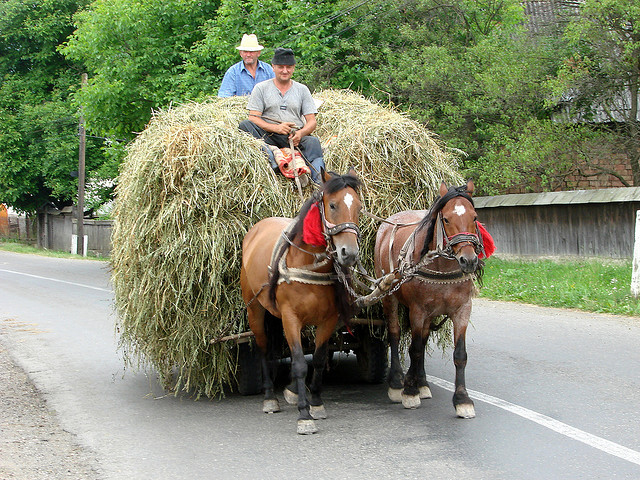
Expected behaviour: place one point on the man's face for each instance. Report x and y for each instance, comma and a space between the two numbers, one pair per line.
250, 58
283, 72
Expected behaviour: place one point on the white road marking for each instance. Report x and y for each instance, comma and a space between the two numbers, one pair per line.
460, 210
348, 199
55, 280
562, 428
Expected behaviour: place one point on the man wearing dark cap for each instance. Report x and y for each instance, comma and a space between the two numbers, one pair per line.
282, 108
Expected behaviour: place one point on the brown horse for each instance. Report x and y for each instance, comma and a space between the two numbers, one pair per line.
295, 270
432, 285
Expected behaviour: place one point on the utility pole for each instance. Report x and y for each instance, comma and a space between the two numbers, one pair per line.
81, 174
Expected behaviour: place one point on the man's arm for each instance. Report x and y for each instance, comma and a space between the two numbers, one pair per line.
283, 128
308, 128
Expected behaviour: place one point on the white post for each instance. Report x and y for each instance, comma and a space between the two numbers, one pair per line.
74, 244
635, 272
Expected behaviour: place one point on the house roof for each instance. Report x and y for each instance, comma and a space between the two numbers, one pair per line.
604, 195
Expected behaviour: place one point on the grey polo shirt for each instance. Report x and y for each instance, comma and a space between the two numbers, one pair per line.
290, 107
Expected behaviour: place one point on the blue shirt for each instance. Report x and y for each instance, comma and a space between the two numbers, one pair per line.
238, 80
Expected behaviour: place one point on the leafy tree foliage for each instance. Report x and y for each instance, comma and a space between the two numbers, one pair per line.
469, 69
301, 25
599, 81
38, 123
135, 52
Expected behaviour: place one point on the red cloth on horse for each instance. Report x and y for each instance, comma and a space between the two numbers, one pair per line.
312, 228
487, 242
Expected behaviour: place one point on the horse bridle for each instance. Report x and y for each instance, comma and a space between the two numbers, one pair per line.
445, 243
306, 274
330, 229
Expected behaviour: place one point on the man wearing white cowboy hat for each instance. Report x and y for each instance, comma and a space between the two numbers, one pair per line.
243, 76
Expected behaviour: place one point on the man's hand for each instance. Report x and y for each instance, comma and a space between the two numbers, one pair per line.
285, 128
295, 136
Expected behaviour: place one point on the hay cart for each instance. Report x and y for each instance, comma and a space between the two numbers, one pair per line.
364, 338
189, 189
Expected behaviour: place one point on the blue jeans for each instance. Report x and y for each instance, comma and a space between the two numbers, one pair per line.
309, 146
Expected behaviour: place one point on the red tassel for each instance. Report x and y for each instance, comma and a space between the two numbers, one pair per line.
487, 241
312, 228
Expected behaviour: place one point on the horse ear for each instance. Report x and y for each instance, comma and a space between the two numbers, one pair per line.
443, 189
324, 175
470, 187
352, 172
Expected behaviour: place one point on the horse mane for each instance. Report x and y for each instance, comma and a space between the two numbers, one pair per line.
334, 184
429, 220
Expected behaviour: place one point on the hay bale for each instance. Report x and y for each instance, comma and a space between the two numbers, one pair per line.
192, 185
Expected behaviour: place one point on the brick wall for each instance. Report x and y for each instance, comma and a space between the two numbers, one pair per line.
590, 179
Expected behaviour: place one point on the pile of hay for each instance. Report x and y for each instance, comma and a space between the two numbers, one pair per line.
193, 184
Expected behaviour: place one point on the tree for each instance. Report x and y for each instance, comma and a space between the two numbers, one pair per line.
468, 69
135, 52
38, 122
598, 83
302, 26
145, 55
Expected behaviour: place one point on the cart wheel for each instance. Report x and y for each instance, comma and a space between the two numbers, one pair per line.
371, 355
249, 373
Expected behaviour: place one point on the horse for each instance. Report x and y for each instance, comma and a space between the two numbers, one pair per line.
438, 258
297, 270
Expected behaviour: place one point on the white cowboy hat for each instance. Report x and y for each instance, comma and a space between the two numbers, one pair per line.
249, 43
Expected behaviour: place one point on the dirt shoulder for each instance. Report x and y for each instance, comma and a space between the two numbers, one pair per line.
33, 445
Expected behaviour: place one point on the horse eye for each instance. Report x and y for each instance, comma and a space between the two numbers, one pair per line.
332, 206
445, 220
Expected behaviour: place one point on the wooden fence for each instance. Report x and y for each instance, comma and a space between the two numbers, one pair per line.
56, 230
586, 223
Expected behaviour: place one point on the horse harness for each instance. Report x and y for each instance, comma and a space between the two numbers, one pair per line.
306, 273
444, 249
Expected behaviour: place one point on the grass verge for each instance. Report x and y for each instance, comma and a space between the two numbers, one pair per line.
593, 285
16, 247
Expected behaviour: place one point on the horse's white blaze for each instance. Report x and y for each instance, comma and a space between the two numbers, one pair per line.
460, 210
348, 200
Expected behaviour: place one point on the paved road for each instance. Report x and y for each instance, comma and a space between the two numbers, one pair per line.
557, 396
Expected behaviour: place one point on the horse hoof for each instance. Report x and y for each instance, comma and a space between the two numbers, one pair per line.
306, 427
425, 392
318, 413
395, 395
271, 406
410, 401
290, 397
465, 410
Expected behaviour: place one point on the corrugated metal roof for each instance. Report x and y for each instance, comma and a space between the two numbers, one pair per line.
604, 195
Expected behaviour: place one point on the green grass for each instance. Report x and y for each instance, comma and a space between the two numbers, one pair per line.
593, 285
17, 247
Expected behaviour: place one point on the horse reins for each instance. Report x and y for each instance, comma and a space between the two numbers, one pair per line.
444, 248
